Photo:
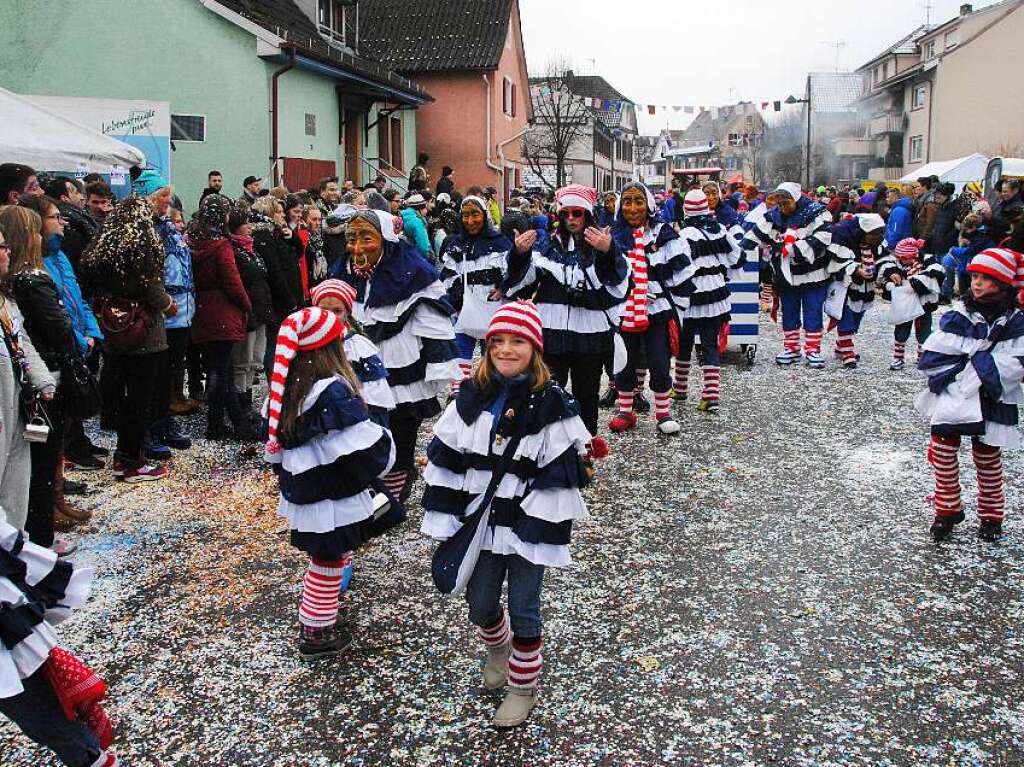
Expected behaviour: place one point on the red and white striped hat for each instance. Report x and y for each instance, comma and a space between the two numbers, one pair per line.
576, 196
695, 203
519, 318
908, 248
334, 289
305, 330
998, 263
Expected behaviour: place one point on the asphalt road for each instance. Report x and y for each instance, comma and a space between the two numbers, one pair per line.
759, 590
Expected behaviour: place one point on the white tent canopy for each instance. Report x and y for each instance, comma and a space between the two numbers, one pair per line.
33, 135
958, 172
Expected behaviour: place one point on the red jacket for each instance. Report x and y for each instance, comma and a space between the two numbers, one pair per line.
222, 305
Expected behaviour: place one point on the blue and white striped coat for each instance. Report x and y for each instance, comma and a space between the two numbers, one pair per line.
669, 268
975, 368
808, 260
715, 254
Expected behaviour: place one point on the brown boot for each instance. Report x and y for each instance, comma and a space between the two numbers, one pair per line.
179, 404
60, 505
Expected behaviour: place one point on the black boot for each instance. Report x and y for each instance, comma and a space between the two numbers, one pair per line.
641, 404
990, 531
609, 398
943, 526
322, 643
241, 419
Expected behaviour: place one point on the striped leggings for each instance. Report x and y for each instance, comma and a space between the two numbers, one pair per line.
943, 455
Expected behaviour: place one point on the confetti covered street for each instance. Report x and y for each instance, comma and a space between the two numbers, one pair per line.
761, 589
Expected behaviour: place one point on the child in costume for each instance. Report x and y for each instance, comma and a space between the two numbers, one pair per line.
924, 274
510, 403
714, 253
45, 690
660, 264
975, 364
856, 244
326, 452
797, 231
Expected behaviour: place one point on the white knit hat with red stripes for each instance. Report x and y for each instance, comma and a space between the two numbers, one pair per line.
695, 203
908, 248
519, 318
998, 263
577, 196
305, 330
334, 289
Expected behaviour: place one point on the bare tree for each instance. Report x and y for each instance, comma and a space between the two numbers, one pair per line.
561, 118
782, 150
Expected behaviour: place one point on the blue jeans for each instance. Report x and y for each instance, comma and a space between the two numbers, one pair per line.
922, 327
483, 593
648, 350
707, 329
38, 714
952, 267
850, 321
805, 300
466, 344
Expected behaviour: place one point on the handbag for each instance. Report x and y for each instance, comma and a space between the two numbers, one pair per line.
125, 324
619, 354
835, 300
454, 560
79, 389
906, 305
476, 314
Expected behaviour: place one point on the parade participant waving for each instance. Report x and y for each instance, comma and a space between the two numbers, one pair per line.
714, 253
659, 262
975, 364
912, 281
326, 453
579, 282
506, 461
856, 244
473, 262
407, 315
798, 234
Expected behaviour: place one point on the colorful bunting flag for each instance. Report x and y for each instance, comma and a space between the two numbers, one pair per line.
650, 109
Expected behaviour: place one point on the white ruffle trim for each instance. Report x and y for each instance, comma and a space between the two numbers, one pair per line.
378, 394
391, 313
325, 449
543, 447
556, 504
421, 390
499, 540
327, 515
404, 348
474, 481
24, 659
76, 594
359, 347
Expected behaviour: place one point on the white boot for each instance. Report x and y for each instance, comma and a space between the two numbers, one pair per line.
496, 666
516, 707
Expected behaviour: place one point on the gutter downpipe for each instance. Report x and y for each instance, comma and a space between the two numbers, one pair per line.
487, 137
501, 158
274, 159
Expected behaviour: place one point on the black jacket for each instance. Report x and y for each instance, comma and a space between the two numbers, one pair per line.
46, 320
78, 233
944, 233
281, 259
253, 272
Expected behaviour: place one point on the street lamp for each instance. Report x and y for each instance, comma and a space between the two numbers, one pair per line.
807, 101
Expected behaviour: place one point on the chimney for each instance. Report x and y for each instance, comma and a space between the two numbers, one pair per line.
966, 9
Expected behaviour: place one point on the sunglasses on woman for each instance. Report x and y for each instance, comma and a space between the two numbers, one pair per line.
574, 212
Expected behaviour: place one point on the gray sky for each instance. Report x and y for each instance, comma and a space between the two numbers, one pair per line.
690, 52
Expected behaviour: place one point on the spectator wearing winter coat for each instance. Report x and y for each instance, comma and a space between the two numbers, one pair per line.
944, 234
446, 184
926, 208
1007, 209
222, 313
974, 238
901, 217
415, 226
247, 356
272, 242
79, 227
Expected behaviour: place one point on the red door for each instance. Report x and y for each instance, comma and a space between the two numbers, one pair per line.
302, 174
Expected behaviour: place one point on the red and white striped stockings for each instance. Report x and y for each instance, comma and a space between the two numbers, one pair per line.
988, 462
320, 590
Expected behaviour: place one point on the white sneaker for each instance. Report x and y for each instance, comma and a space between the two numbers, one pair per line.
897, 364
516, 707
815, 360
788, 358
669, 425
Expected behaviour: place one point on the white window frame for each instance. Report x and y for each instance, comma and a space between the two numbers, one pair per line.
921, 90
508, 97
951, 39
188, 140
918, 142
929, 50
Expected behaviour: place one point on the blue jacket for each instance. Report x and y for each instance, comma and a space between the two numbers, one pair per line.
980, 240
177, 274
83, 321
540, 223
901, 222
668, 209
416, 231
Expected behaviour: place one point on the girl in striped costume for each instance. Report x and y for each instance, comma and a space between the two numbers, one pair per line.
855, 244
326, 452
579, 282
511, 402
659, 262
924, 274
797, 232
407, 315
975, 365
714, 253
473, 262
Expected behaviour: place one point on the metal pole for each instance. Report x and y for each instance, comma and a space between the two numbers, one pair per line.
808, 132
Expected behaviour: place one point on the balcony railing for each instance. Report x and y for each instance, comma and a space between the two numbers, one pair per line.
855, 147
887, 123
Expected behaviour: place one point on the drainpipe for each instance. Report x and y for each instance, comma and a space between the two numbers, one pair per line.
274, 110
501, 157
487, 136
